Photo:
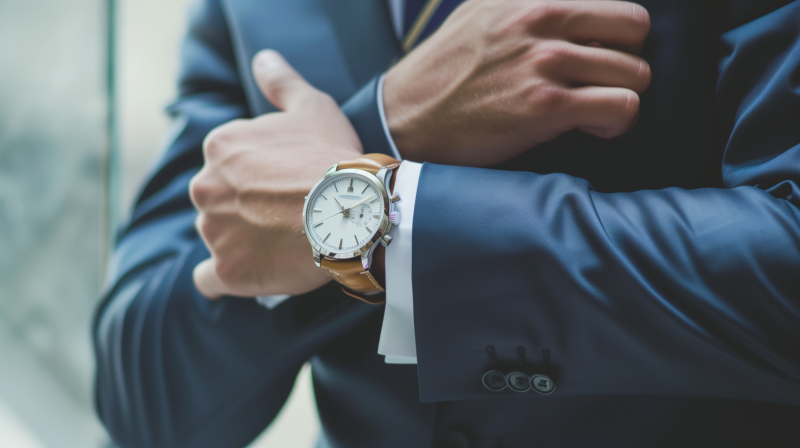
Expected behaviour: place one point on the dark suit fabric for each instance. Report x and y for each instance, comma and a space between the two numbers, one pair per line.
661, 269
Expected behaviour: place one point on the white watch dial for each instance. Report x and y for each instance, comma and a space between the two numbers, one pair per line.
344, 213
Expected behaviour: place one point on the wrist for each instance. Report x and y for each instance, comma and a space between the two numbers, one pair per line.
347, 217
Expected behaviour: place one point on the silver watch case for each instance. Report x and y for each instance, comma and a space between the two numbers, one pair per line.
379, 181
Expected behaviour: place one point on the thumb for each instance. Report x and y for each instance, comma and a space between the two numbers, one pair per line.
206, 279
278, 81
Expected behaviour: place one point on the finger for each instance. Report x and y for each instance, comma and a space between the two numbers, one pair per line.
613, 24
603, 111
584, 66
206, 280
279, 82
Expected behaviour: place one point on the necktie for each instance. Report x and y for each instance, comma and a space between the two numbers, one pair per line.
423, 17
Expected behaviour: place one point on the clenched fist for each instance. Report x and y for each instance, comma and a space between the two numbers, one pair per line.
501, 76
250, 192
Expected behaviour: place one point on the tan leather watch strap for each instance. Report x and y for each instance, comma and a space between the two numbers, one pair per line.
371, 163
357, 281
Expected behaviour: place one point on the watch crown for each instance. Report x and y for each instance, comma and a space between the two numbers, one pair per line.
394, 218
386, 240
396, 198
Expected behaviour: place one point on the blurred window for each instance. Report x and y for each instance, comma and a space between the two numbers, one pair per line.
53, 216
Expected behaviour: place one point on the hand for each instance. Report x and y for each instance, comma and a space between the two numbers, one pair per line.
501, 76
249, 194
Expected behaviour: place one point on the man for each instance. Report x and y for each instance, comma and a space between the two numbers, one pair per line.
662, 300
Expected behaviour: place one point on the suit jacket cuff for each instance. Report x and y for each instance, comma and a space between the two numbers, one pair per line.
364, 109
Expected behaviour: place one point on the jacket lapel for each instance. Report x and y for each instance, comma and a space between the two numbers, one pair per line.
337, 45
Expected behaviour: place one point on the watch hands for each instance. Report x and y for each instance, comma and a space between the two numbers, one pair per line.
350, 207
361, 201
345, 211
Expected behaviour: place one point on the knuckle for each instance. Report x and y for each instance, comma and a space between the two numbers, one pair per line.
214, 144
551, 54
278, 80
539, 17
200, 191
220, 140
544, 14
548, 97
226, 271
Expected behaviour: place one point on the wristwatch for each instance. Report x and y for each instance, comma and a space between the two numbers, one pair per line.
345, 215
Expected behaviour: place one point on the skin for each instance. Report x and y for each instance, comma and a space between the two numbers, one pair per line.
501, 76
497, 78
250, 192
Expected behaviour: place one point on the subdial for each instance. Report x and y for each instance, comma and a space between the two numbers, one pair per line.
361, 215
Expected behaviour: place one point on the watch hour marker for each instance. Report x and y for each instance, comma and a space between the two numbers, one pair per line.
317, 210
376, 216
356, 238
334, 186
350, 188
326, 237
370, 231
365, 189
318, 224
323, 196
340, 244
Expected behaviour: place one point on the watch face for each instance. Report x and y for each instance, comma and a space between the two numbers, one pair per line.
344, 212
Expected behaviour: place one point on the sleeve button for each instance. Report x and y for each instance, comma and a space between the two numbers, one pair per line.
518, 382
494, 380
542, 384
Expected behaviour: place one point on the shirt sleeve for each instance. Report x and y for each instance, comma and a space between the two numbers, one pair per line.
385, 125
271, 302
397, 340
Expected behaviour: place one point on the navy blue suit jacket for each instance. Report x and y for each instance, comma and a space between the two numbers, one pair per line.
661, 269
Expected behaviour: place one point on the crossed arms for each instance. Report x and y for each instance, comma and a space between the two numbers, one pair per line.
688, 292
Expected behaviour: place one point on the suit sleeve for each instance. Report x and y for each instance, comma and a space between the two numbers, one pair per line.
174, 369
669, 292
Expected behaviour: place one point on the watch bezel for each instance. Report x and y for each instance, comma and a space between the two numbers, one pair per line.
383, 227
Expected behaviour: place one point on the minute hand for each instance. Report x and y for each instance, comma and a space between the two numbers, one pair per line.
360, 202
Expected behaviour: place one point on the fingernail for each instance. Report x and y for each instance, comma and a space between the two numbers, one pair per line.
268, 60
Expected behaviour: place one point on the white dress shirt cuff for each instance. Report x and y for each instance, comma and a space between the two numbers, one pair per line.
385, 125
397, 341
271, 302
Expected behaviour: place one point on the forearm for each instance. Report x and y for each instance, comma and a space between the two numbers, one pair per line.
168, 359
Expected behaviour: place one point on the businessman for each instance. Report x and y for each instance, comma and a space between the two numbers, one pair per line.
649, 271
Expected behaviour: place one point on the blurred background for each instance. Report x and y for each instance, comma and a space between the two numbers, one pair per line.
83, 85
